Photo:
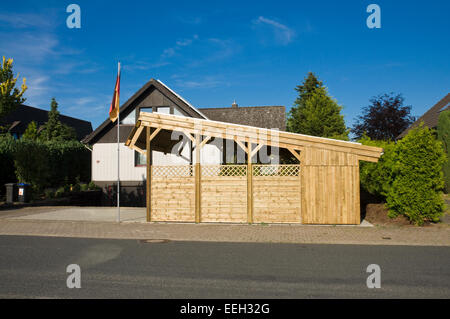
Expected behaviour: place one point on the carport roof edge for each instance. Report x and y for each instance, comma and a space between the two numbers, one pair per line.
245, 133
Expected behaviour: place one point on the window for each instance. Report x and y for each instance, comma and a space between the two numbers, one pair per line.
139, 159
176, 112
129, 119
163, 109
146, 109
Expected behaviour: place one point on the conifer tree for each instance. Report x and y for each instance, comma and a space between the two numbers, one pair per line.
53, 129
315, 112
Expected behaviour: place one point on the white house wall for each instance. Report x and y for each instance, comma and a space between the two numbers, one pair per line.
104, 161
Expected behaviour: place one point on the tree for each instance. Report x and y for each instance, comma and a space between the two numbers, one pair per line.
31, 133
310, 84
10, 96
443, 132
320, 116
315, 112
384, 119
54, 129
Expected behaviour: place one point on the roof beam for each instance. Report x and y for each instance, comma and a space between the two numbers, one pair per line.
294, 152
204, 142
257, 148
241, 145
256, 135
224, 130
154, 133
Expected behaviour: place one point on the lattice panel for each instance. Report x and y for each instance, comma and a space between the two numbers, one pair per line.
276, 170
224, 170
172, 171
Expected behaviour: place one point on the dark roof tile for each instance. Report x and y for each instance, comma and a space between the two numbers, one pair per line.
271, 117
431, 117
19, 119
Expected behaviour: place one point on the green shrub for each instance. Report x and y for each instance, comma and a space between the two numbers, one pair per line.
376, 178
60, 192
76, 187
92, 186
84, 187
66, 188
408, 175
417, 178
443, 131
49, 194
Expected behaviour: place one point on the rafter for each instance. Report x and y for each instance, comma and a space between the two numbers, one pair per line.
238, 142
257, 148
294, 152
204, 141
155, 133
191, 126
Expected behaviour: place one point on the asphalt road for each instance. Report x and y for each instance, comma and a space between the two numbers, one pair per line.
35, 267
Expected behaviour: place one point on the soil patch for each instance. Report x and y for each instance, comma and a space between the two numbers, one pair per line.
377, 214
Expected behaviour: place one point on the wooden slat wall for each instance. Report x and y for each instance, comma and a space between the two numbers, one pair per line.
330, 189
224, 199
276, 199
173, 198
326, 192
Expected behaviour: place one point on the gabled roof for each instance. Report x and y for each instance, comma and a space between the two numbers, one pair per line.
130, 103
21, 117
431, 117
259, 116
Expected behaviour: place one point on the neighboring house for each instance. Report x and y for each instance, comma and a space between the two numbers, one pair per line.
155, 96
18, 120
431, 117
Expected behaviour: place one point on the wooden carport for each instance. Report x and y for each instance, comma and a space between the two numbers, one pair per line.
322, 189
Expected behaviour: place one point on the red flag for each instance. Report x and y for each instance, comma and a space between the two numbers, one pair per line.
114, 109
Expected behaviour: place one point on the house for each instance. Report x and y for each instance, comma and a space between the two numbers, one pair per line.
18, 120
156, 97
224, 164
431, 117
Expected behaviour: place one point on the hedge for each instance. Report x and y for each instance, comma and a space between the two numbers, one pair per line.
7, 174
43, 164
443, 131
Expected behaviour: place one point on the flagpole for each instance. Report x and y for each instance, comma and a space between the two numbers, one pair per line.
118, 156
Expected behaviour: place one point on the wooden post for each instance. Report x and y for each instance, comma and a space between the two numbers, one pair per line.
249, 184
149, 177
197, 179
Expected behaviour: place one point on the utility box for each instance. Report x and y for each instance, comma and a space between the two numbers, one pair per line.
24, 192
11, 193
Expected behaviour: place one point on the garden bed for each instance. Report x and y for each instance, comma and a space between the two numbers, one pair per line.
377, 214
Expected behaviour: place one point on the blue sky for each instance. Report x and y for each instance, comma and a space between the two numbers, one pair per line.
212, 52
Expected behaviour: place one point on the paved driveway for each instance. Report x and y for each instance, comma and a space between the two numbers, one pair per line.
91, 214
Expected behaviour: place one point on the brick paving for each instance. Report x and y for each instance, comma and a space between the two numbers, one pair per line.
437, 235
